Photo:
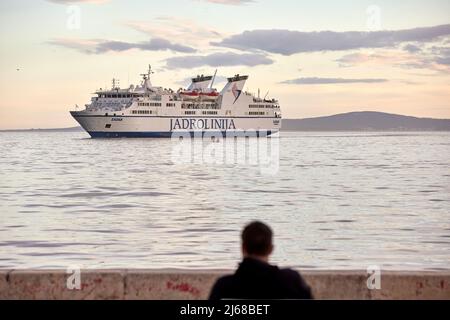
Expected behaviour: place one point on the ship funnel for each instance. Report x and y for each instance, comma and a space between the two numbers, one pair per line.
233, 89
200, 83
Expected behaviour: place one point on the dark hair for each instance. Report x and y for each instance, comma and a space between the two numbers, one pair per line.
257, 238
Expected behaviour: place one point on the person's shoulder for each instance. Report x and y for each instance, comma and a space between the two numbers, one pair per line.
221, 287
295, 280
290, 273
225, 280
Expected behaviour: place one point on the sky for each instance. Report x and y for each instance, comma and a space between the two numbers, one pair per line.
317, 57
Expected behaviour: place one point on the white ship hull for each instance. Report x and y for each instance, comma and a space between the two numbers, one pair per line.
102, 126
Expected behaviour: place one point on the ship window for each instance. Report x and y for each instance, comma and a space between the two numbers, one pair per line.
142, 112
209, 112
108, 125
256, 113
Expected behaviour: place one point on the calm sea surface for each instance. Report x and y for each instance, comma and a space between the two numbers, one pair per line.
334, 200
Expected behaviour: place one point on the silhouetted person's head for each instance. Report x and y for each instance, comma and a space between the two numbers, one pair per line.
257, 241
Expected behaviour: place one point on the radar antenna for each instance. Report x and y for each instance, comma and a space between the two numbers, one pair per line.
149, 72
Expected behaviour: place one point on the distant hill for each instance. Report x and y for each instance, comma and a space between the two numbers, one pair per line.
366, 121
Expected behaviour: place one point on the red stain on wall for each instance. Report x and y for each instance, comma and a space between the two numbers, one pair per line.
183, 287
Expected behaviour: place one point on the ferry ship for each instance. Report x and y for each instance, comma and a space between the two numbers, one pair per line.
150, 111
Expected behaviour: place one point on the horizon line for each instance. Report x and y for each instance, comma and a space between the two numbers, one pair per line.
337, 114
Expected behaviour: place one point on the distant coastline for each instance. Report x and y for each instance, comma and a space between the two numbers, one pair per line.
366, 121
352, 121
69, 129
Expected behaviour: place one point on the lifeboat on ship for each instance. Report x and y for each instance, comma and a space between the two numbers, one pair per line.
212, 94
190, 94
209, 95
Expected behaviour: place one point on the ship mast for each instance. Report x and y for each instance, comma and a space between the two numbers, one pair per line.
214, 78
146, 76
115, 83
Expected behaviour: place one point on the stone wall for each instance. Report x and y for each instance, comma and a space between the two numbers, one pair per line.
182, 284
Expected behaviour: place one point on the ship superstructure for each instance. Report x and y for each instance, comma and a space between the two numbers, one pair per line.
150, 111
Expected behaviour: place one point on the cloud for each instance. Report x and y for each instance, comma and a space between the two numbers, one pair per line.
187, 30
315, 80
441, 55
228, 2
435, 58
411, 48
379, 58
288, 42
97, 46
218, 59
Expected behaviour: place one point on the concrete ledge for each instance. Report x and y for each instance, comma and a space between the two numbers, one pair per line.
182, 284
